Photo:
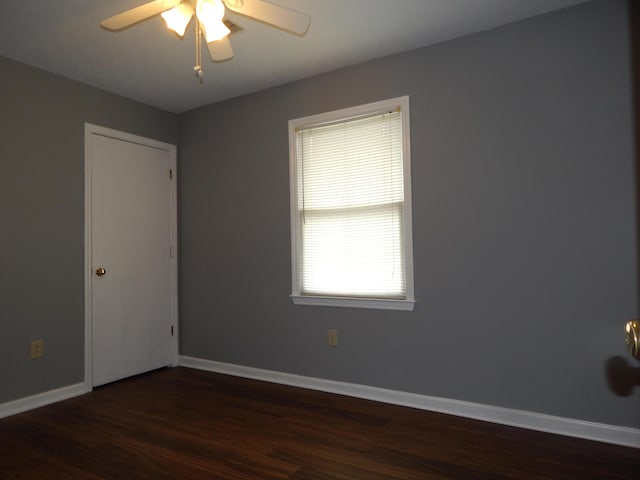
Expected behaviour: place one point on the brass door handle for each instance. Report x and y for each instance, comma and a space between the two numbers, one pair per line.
632, 338
100, 271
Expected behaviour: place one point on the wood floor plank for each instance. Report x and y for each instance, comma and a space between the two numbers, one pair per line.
187, 424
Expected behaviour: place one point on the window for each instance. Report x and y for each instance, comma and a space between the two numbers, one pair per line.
351, 241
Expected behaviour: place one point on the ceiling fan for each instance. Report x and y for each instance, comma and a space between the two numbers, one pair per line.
210, 21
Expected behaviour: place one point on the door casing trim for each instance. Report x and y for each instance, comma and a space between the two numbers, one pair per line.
89, 130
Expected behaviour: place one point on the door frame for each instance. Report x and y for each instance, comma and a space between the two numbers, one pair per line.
89, 131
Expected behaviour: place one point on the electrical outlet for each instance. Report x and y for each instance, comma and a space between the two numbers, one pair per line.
36, 350
332, 337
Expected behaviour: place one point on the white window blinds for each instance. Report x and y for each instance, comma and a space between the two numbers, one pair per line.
350, 208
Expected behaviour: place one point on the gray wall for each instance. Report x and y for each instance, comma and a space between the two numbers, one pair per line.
524, 223
42, 218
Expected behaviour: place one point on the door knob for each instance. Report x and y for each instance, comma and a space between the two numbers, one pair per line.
632, 338
100, 271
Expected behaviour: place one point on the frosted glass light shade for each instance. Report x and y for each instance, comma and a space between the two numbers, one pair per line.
178, 18
210, 13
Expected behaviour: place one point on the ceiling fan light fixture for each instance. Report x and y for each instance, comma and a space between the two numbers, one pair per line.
210, 21
178, 18
210, 14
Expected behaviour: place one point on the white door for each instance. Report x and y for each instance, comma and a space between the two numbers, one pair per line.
132, 290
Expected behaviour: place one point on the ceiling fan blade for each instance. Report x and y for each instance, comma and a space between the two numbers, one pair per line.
289, 20
220, 50
138, 14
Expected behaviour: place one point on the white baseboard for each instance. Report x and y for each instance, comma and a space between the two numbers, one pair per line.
626, 436
42, 399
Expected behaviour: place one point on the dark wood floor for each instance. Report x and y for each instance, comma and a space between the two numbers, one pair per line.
182, 423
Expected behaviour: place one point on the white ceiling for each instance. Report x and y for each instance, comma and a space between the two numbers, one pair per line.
150, 64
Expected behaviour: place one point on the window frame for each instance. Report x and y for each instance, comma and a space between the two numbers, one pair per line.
345, 114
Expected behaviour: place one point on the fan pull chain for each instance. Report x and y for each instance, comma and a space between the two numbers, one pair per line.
198, 66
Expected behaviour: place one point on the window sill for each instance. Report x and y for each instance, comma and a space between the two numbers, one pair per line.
348, 302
